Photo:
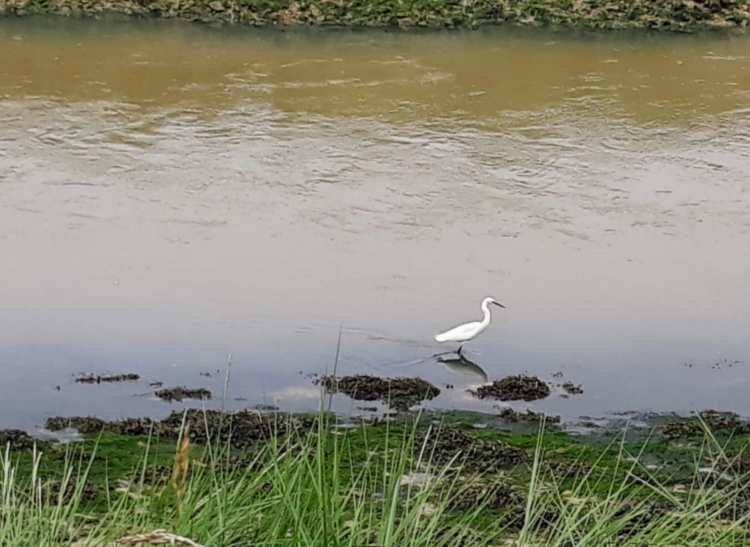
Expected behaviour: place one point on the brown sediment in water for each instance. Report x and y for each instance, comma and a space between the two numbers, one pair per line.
111, 378
675, 15
171, 394
240, 429
513, 416
514, 388
398, 393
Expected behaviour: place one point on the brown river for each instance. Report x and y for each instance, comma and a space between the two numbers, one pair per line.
172, 193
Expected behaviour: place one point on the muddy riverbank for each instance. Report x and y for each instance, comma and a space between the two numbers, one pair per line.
672, 15
489, 465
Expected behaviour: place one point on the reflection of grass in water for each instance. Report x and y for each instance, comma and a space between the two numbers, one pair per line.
386, 484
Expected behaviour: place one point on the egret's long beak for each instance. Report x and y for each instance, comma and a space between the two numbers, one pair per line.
498, 304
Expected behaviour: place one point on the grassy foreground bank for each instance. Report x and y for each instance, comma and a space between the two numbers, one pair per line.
315, 482
679, 15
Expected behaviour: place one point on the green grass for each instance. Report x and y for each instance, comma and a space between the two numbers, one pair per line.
388, 484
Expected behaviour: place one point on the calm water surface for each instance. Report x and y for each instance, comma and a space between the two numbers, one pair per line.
172, 193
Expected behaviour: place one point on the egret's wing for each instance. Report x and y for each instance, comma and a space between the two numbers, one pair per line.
459, 333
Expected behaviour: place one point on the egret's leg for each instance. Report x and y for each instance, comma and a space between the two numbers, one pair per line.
459, 350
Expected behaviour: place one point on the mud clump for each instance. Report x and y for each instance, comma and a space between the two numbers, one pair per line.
638, 517
514, 388
457, 536
562, 470
239, 429
89, 425
725, 421
495, 495
714, 420
17, 439
572, 389
681, 429
112, 378
513, 416
739, 466
54, 491
453, 445
172, 394
398, 393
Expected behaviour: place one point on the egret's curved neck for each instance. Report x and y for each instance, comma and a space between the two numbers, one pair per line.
486, 311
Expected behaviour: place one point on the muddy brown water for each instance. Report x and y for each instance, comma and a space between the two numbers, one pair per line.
173, 193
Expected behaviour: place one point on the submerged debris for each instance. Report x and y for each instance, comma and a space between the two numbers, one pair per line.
170, 394
514, 388
106, 378
469, 452
367, 408
513, 416
262, 407
398, 393
17, 439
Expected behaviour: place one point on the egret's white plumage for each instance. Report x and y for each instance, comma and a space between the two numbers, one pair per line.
469, 331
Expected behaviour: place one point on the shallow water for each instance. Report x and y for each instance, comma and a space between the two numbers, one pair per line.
173, 193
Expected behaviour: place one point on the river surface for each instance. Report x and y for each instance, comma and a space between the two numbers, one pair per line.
172, 193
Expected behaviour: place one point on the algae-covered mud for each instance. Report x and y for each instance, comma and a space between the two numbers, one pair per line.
171, 194
221, 479
675, 15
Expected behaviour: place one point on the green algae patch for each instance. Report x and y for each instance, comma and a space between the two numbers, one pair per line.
672, 15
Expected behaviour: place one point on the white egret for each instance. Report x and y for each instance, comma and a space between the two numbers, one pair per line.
469, 331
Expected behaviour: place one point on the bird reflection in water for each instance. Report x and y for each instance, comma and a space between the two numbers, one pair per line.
462, 365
